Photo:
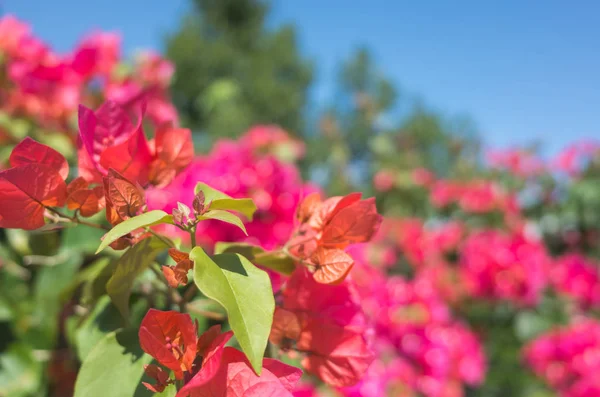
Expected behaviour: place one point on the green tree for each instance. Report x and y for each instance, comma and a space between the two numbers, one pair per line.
233, 72
363, 97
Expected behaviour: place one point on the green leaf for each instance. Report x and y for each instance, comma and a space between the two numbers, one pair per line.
150, 218
114, 367
94, 287
81, 238
244, 206
84, 276
103, 319
224, 216
246, 294
220, 201
277, 261
210, 193
20, 372
129, 267
50, 282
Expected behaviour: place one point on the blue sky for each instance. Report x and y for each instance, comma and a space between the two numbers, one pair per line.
524, 70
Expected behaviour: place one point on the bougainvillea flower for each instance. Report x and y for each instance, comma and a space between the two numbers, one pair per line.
112, 137
108, 126
339, 303
327, 227
122, 196
512, 267
566, 358
336, 354
88, 201
174, 150
171, 338
35, 182
234, 377
577, 277
205, 365
326, 325
332, 265
177, 275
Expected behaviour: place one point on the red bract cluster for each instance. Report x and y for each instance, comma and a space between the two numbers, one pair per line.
568, 358
326, 325
116, 162
328, 227
110, 139
246, 168
47, 87
204, 364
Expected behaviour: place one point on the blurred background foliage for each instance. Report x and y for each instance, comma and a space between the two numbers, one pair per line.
232, 72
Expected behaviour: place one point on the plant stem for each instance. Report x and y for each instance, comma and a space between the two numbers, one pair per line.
205, 313
75, 219
298, 259
193, 236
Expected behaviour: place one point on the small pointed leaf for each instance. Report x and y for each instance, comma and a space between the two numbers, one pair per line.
149, 218
224, 216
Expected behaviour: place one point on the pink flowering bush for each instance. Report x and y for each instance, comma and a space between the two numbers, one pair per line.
568, 358
478, 280
251, 168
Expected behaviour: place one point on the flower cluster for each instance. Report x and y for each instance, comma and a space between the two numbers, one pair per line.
48, 87
502, 266
578, 278
568, 358
244, 168
414, 330
204, 364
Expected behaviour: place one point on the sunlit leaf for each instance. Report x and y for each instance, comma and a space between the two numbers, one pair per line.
224, 216
149, 218
277, 261
245, 293
220, 201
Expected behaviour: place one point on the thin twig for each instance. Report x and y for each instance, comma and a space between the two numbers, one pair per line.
205, 313
75, 219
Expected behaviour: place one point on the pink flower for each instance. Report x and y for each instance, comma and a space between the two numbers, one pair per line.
577, 277
517, 161
568, 358
423, 177
572, 159
383, 180
506, 267
235, 169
